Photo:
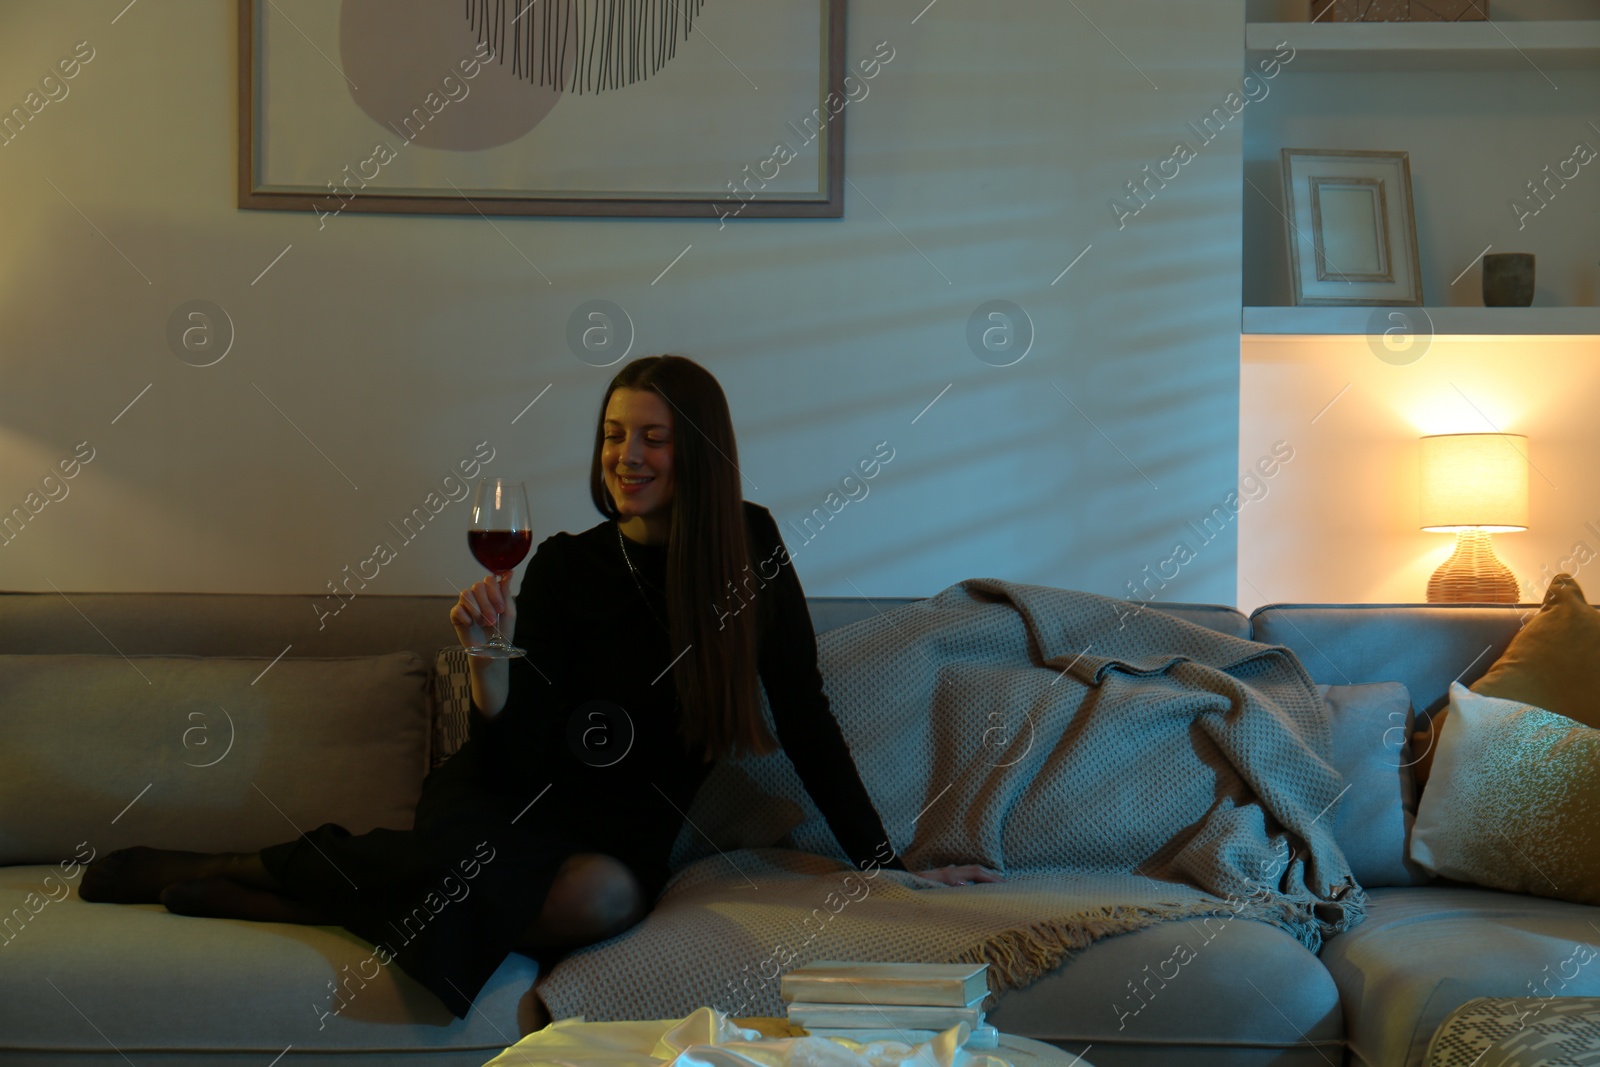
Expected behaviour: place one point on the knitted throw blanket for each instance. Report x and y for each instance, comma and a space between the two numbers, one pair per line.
1119, 768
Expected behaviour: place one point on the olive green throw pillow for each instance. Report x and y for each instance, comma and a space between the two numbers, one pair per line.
1514, 800
1554, 661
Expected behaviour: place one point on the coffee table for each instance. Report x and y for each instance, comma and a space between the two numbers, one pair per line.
1015, 1049
1026, 1052
633, 1043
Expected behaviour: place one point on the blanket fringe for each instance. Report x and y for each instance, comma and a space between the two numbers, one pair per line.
1024, 954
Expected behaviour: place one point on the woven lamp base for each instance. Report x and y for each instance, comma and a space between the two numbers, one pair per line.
1473, 574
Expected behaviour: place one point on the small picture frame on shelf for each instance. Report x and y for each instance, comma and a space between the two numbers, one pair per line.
1350, 229
1399, 10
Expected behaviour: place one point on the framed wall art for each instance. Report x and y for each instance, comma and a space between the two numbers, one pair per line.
546, 107
1349, 227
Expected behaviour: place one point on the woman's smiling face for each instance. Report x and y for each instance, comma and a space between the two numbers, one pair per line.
636, 457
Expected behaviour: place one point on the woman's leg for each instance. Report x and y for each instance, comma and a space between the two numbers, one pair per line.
138, 875
223, 898
532, 1015
224, 885
593, 897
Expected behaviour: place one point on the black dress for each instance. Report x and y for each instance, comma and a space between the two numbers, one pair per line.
585, 757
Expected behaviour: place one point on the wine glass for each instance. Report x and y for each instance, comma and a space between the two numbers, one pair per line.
499, 537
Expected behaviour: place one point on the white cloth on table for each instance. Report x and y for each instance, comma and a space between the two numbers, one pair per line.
707, 1038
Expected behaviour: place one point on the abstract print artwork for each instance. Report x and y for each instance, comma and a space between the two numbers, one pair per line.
543, 107
585, 45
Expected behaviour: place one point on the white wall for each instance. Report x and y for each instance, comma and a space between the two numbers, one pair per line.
993, 142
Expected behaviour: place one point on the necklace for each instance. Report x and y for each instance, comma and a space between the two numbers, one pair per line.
622, 543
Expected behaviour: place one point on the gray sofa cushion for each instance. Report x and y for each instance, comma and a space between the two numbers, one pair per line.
1141, 1001
79, 978
1425, 951
1371, 727
205, 754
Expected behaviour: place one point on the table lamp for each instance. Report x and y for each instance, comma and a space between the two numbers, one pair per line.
1474, 485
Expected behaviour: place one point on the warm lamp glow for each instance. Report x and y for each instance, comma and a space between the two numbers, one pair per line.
1475, 480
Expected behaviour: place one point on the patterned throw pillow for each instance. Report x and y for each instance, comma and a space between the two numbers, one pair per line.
1514, 800
1518, 1032
452, 702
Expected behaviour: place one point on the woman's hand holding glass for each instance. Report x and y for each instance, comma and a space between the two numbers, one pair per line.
482, 611
478, 615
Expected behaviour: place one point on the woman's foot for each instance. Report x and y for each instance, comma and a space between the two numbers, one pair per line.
138, 875
532, 1015
223, 898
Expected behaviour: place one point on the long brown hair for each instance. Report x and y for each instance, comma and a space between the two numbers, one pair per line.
708, 552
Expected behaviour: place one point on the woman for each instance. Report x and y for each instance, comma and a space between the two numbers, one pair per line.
552, 827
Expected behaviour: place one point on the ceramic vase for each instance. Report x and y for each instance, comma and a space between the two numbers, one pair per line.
1508, 279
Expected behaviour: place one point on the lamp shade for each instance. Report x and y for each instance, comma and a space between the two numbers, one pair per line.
1475, 480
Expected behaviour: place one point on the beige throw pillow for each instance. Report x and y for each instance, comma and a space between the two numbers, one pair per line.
1514, 800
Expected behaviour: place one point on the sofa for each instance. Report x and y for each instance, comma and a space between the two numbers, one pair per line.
232, 721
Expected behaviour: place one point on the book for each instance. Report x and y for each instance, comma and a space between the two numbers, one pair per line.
954, 985
984, 1037
812, 1015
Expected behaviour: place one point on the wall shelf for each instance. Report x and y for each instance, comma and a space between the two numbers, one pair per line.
1533, 45
1447, 321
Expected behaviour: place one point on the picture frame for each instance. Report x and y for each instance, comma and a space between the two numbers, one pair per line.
1400, 10
688, 137
1350, 228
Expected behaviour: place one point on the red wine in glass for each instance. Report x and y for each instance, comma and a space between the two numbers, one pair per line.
499, 537
500, 550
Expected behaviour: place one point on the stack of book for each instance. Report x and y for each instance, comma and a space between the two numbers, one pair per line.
831, 996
